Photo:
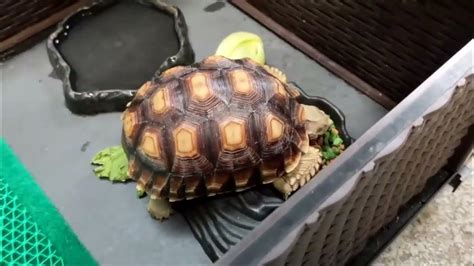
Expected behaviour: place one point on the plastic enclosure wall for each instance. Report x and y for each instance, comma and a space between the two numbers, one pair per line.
383, 48
19, 14
331, 218
25, 22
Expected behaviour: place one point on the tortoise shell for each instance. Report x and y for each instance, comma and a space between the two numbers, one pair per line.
216, 126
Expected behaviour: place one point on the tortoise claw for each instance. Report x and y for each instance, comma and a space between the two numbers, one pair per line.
159, 209
140, 191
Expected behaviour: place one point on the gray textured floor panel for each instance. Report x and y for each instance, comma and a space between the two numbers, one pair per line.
56, 146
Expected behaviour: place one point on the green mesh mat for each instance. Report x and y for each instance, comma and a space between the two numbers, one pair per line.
32, 231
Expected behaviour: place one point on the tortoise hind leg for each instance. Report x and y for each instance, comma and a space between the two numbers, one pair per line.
291, 89
276, 72
307, 168
159, 209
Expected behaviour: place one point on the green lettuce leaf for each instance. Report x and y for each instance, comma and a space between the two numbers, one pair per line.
111, 163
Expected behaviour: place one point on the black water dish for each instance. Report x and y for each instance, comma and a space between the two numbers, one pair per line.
105, 51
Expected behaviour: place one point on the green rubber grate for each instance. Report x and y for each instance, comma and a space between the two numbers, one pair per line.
21, 240
32, 231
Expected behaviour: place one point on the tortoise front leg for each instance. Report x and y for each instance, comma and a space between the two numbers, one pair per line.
307, 168
159, 209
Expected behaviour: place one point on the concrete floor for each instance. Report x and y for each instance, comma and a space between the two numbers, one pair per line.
443, 232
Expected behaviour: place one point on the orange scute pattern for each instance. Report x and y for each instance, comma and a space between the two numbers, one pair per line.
130, 123
185, 140
143, 89
241, 82
199, 87
150, 144
275, 128
234, 135
172, 71
160, 102
206, 128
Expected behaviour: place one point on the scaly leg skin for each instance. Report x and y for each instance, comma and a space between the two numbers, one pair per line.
292, 90
308, 166
276, 72
159, 209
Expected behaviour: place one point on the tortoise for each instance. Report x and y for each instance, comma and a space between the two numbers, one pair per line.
218, 126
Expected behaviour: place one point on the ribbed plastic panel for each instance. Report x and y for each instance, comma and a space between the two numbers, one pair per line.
220, 224
385, 184
17, 15
392, 45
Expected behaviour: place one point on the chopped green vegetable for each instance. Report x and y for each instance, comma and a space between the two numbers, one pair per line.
328, 153
332, 144
112, 163
337, 141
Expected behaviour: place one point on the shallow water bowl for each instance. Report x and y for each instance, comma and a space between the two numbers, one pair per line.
104, 52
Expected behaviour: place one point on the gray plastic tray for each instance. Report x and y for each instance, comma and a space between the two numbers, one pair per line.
57, 146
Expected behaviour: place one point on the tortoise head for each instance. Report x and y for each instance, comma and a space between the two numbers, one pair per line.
316, 121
